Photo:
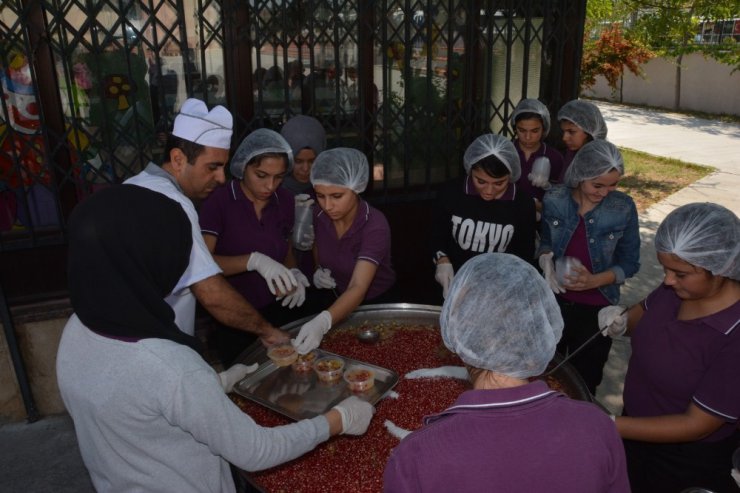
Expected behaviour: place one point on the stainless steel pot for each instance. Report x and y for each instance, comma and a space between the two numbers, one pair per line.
407, 313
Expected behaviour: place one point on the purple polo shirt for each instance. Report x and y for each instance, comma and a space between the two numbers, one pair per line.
230, 216
526, 438
578, 248
556, 168
676, 362
369, 238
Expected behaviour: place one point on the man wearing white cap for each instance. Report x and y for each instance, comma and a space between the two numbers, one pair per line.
195, 155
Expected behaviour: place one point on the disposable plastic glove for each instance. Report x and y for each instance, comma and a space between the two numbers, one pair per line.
276, 274
613, 320
539, 181
322, 279
303, 199
311, 333
443, 275
548, 269
235, 374
736, 476
356, 415
459, 372
297, 297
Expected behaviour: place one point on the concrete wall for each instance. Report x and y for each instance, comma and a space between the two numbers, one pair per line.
38, 329
706, 85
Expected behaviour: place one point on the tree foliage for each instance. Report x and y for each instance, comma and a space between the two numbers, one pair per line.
610, 55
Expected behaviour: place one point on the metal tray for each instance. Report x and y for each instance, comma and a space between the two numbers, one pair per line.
301, 395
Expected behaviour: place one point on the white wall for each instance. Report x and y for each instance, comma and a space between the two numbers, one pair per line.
706, 85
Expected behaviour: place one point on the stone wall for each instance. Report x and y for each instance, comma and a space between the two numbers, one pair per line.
706, 85
38, 329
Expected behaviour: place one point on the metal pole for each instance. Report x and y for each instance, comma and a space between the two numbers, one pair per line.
18, 365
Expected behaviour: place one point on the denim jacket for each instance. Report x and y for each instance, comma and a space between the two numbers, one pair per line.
611, 228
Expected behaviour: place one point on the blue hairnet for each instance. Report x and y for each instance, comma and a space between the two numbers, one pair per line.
595, 159
705, 235
586, 115
501, 315
493, 145
532, 106
343, 167
261, 141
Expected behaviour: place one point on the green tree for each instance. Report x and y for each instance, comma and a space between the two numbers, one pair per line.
610, 55
669, 28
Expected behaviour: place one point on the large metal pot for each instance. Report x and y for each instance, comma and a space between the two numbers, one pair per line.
406, 313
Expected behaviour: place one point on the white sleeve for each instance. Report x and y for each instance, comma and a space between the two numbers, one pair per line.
199, 406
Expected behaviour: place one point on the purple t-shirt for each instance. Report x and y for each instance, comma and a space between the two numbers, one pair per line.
556, 167
568, 156
229, 215
526, 438
676, 362
578, 248
369, 238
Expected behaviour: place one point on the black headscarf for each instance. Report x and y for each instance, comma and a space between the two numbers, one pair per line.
128, 247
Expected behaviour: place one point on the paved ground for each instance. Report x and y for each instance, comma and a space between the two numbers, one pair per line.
689, 139
44, 457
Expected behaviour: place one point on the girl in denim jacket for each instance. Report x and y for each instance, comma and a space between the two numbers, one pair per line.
587, 219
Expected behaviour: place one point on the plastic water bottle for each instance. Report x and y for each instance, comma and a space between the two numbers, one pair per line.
303, 227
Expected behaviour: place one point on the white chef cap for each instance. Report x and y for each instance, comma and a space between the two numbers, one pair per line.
703, 234
586, 115
594, 159
260, 141
493, 145
501, 315
209, 128
532, 106
343, 167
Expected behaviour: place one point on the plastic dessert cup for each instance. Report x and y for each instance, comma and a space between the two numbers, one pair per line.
282, 354
329, 368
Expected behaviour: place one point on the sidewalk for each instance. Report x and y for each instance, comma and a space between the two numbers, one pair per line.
689, 139
44, 457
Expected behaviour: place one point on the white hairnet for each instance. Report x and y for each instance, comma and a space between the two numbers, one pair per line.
493, 145
705, 235
595, 159
586, 115
532, 106
260, 141
342, 167
501, 315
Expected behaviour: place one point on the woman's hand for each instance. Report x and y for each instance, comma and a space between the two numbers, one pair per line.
274, 336
582, 279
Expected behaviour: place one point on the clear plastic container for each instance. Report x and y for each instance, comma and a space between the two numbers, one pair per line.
359, 378
304, 362
303, 234
329, 368
564, 266
541, 171
282, 354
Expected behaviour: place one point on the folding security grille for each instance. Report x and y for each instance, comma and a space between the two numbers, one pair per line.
91, 87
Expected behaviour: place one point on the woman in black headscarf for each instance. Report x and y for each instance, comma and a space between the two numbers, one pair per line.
150, 414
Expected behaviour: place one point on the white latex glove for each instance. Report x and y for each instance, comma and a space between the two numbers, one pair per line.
613, 321
311, 333
539, 182
548, 269
297, 297
736, 476
356, 415
235, 374
303, 199
396, 430
322, 279
443, 275
276, 274
458, 372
